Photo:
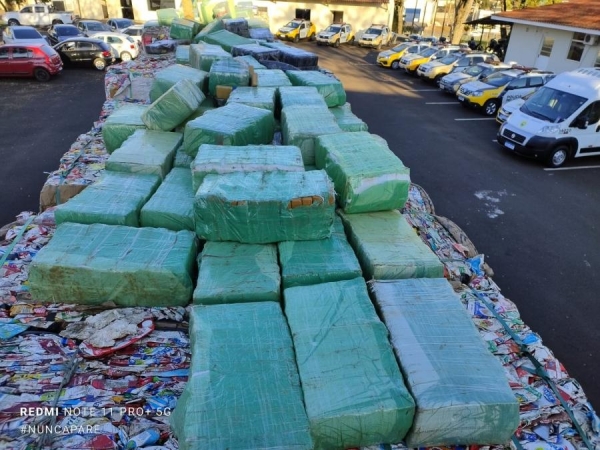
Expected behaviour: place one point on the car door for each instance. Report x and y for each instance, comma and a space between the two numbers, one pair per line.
116, 43
344, 34
302, 31
68, 52
85, 51
40, 15
5, 62
82, 28
517, 88
586, 129
26, 16
22, 61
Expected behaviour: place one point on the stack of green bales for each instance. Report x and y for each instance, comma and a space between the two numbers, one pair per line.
347, 120
174, 106
202, 56
259, 97
210, 27
251, 61
168, 77
184, 29
259, 52
228, 72
226, 39
121, 124
182, 55
272, 78
329, 87
300, 95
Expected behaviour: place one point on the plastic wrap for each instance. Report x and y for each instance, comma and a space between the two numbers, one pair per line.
166, 78
202, 56
182, 55
220, 159
166, 16
259, 52
259, 97
388, 248
250, 61
300, 95
296, 57
243, 367
329, 87
228, 72
461, 390
230, 125
347, 120
207, 105
226, 39
174, 106
263, 34
172, 205
230, 272
121, 124
184, 29
146, 152
367, 175
95, 264
301, 125
182, 159
265, 207
353, 389
115, 199
272, 78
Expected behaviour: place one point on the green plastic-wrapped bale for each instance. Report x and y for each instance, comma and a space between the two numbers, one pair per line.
210, 27
166, 16
174, 106
347, 120
227, 72
368, 177
230, 272
242, 367
115, 199
95, 264
184, 29
207, 105
259, 97
202, 56
146, 152
312, 262
300, 95
172, 205
329, 87
250, 61
229, 125
226, 39
430, 332
121, 124
182, 159
388, 248
168, 77
265, 207
272, 78
182, 55
301, 125
353, 389
221, 159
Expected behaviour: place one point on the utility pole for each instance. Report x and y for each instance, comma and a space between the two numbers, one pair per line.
424, 15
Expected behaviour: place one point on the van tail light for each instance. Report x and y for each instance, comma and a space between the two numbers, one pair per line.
132, 46
106, 54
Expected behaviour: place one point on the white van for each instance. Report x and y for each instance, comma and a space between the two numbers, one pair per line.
559, 121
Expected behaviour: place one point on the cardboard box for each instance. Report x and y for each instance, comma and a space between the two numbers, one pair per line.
254, 80
223, 92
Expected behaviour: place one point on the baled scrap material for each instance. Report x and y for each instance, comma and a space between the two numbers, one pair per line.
172, 205
230, 272
299, 95
182, 159
301, 125
353, 388
265, 207
388, 248
296, 57
226, 39
259, 52
94, 264
347, 120
202, 56
259, 97
174, 106
115, 199
330, 88
251, 61
312, 262
272, 78
121, 124
184, 29
182, 55
166, 16
146, 152
368, 177
233, 124
432, 335
243, 367
166, 78
220, 159
228, 72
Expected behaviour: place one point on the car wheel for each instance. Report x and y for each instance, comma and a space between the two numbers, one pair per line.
352, 41
395, 65
296, 39
313, 37
318, 43
558, 156
126, 56
437, 79
336, 44
41, 74
57, 22
490, 108
13, 22
99, 64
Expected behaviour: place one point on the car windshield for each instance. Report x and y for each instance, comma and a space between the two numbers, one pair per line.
123, 23
498, 79
399, 48
333, 29
67, 31
552, 105
428, 51
473, 71
376, 31
26, 33
293, 25
449, 59
94, 26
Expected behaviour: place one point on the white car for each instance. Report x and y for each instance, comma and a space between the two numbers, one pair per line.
134, 31
125, 46
22, 35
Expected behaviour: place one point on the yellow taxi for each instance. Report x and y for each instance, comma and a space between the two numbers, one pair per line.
411, 62
297, 29
391, 58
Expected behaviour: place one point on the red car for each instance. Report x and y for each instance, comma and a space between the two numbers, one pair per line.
29, 60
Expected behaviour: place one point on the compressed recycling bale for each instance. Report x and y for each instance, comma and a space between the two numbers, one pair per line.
228, 72
430, 332
368, 177
388, 248
272, 78
182, 55
259, 97
230, 272
166, 78
95, 264
312, 262
226, 39
172, 205
300, 95
182, 159
202, 56
330, 88
121, 124
301, 125
184, 29
295, 57
353, 389
174, 106
220, 159
242, 367
146, 152
259, 52
265, 207
251, 61
166, 16
347, 120
233, 124
115, 199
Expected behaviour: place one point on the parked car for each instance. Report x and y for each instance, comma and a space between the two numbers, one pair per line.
376, 36
22, 35
119, 24
85, 50
58, 33
435, 70
297, 29
391, 58
452, 82
336, 34
134, 31
411, 61
91, 27
29, 60
510, 107
39, 14
125, 46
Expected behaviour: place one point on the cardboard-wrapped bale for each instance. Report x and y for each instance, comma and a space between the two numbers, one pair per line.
121, 124
251, 61
347, 120
299, 95
168, 77
226, 39
233, 124
146, 152
95, 264
230, 272
172, 205
184, 29
243, 367
431, 331
353, 389
115, 199
265, 207
388, 248
329, 87
296, 57
228, 72
202, 56
259, 97
182, 55
174, 106
368, 177
221, 159
259, 52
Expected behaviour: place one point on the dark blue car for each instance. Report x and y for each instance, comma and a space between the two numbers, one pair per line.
59, 32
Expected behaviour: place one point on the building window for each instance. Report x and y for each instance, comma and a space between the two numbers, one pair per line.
577, 45
153, 5
547, 46
303, 14
338, 16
